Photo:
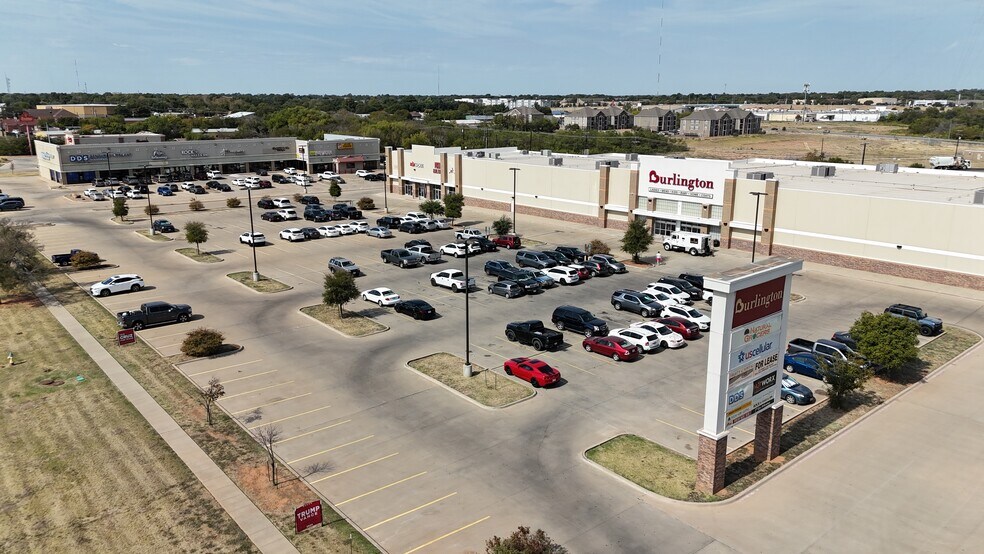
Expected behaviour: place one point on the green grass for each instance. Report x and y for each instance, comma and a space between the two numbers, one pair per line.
484, 386
649, 465
159, 237
265, 284
201, 257
353, 324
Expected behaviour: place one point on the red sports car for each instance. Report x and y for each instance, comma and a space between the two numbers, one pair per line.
687, 329
617, 348
537, 372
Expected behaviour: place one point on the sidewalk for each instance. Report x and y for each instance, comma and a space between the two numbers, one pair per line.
250, 519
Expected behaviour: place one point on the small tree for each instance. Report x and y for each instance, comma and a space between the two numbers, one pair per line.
151, 210
233, 202
202, 342
297, 197
637, 239
20, 264
84, 260
522, 541
842, 379
268, 435
209, 395
598, 247
334, 190
431, 207
502, 226
452, 205
366, 203
916, 165
196, 232
196, 205
120, 208
887, 341
339, 288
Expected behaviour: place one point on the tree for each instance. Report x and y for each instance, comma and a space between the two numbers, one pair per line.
268, 435
886, 341
524, 542
842, 378
637, 239
151, 210
502, 226
598, 247
119, 208
452, 205
339, 288
211, 394
196, 232
366, 203
196, 205
431, 207
20, 264
334, 190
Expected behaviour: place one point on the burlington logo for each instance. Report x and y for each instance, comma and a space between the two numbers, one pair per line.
678, 181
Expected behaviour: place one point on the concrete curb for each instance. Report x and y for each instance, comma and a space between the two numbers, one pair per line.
257, 291
465, 396
198, 262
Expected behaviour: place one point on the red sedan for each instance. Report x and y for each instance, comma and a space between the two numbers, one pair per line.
617, 348
582, 272
537, 372
687, 329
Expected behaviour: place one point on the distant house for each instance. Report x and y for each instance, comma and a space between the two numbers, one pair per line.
524, 113
656, 119
618, 118
746, 122
707, 123
587, 118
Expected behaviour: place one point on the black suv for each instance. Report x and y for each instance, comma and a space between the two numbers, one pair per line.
557, 257
928, 326
694, 279
578, 320
310, 200
522, 278
265, 203
572, 252
411, 227
500, 268
641, 303
684, 285
388, 221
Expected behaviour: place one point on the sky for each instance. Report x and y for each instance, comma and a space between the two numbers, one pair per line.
498, 47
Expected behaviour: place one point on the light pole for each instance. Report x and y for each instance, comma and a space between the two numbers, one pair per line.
514, 170
822, 133
758, 196
864, 148
252, 243
467, 369
109, 168
957, 149
386, 185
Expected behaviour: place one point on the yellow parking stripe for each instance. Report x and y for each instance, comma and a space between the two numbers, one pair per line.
270, 403
313, 432
224, 367
258, 390
249, 376
343, 472
421, 507
384, 487
292, 462
290, 417
446, 535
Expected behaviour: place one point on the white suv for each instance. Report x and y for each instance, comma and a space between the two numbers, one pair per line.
252, 239
671, 291
213, 174
646, 340
563, 274
282, 203
668, 338
117, 283
293, 234
288, 214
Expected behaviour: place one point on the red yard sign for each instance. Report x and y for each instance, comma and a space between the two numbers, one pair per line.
126, 336
307, 515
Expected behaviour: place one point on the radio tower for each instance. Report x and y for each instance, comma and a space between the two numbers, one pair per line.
806, 91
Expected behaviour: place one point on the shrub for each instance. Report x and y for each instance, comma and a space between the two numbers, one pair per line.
84, 260
916, 165
151, 210
297, 197
233, 202
502, 226
202, 342
598, 247
366, 203
196, 205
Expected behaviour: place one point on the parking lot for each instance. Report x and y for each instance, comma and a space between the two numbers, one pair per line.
418, 468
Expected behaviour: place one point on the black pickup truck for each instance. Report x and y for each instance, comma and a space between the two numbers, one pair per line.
153, 313
401, 257
64, 259
535, 334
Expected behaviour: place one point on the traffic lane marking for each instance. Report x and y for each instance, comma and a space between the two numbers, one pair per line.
258, 390
446, 535
384, 487
356, 441
270, 404
289, 417
398, 516
223, 367
313, 432
360, 466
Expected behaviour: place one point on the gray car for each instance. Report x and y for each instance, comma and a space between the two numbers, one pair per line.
608, 260
509, 289
641, 303
381, 232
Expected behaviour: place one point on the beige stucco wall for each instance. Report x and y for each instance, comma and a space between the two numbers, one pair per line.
419, 163
552, 188
619, 184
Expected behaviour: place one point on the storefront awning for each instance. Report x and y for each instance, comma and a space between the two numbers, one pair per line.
350, 159
420, 181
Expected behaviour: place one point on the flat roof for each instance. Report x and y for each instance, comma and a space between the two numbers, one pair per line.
536, 157
329, 136
924, 185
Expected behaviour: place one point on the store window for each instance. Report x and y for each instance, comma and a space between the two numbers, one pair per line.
689, 227
666, 206
717, 212
691, 209
642, 203
664, 227
408, 189
436, 193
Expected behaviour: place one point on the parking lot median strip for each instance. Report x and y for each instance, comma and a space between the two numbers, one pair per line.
352, 325
489, 390
269, 404
446, 535
301, 459
221, 368
238, 394
288, 417
265, 284
360, 466
398, 516
201, 257
313, 432
384, 487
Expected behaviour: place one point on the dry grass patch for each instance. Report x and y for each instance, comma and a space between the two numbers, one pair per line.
159, 237
202, 257
673, 475
66, 463
484, 386
232, 448
353, 324
265, 284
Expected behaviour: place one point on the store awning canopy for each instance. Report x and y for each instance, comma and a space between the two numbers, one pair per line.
350, 159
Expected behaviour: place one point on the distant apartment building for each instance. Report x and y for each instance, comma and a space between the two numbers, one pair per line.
599, 119
618, 118
656, 119
716, 123
525, 113
879, 101
509, 102
746, 122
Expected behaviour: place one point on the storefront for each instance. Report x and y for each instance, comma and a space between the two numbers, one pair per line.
682, 194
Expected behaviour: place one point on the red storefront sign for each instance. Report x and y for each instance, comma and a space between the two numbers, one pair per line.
307, 516
125, 336
758, 301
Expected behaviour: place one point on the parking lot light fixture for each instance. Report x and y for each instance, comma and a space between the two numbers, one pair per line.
467, 369
514, 170
758, 196
249, 200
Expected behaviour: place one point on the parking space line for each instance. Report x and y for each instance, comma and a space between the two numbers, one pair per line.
168, 335
691, 411
170, 345
221, 368
343, 472
446, 535
313, 432
227, 381
489, 351
421, 507
384, 487
688, 431
292, 462
258, 390
290, 417
298, 276
270, 403
743, 431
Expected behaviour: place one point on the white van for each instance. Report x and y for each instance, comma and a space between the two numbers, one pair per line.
213, 174
693, 243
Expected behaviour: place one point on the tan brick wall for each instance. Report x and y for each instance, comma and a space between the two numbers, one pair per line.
539, 212
711, 461
768, 425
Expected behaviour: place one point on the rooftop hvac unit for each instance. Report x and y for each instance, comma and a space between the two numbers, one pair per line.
822, 171
613, 163
556, 161
887, 168
546, 153
469, 153
524, 152
632, 157
598, 164
755, 175
479, 154
496, 155
979, 196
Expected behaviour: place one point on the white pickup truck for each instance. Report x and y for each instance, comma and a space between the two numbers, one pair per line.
453, 279
430, 255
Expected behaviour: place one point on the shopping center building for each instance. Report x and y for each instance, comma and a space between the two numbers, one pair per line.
918, 223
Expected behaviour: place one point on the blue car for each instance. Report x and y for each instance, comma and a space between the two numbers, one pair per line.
803, 363
795, 393
164, 191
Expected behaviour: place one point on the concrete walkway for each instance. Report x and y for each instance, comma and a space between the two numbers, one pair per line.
250, 519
